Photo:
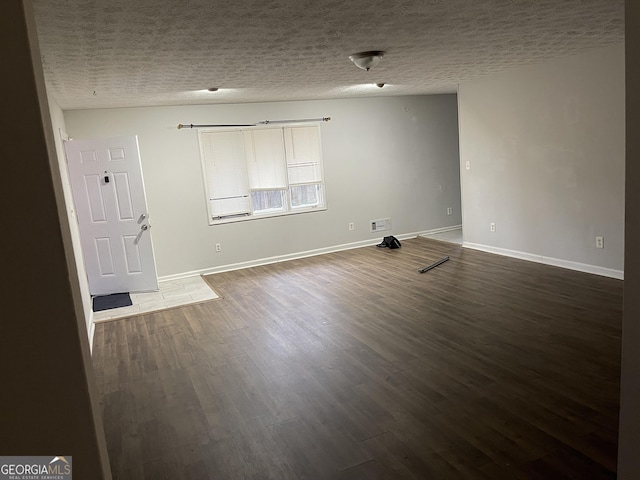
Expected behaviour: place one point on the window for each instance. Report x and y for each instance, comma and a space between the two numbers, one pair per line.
261, 172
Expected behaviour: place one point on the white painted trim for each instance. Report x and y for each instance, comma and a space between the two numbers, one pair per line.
179, 276
440, 230
92, 330
281, 258
556, 262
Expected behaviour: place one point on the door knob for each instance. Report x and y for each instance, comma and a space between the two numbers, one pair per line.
144, 227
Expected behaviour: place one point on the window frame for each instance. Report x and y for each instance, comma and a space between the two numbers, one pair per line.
288, 208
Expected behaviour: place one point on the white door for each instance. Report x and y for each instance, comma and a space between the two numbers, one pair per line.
108, 192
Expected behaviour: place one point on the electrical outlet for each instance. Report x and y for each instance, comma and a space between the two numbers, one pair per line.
492, 227
449, 211
351, 226
218, 247
599, 242
468, 165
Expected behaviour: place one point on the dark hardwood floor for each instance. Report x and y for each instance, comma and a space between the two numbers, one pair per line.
353, 365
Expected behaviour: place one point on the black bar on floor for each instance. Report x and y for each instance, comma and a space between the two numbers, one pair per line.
439, 262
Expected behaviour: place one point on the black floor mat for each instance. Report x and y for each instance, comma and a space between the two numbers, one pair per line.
107, 302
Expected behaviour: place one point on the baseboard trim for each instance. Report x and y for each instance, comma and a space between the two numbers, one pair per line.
92, 331
180, 276
285, 258
556, 262
440, 230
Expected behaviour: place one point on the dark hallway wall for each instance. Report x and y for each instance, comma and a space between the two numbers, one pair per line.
48, 403
629, 439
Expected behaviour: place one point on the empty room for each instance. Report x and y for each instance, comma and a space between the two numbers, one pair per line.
222, 187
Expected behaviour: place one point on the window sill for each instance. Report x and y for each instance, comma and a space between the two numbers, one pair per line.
266, 215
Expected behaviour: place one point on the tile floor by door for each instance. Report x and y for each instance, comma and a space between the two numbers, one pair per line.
172, 293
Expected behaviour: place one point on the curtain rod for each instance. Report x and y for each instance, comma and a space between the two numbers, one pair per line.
265, 122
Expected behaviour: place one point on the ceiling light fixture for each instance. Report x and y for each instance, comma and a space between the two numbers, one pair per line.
366, 60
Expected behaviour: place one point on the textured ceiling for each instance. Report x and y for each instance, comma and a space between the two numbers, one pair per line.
123, 53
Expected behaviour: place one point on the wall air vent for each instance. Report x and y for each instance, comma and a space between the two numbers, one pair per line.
380, 225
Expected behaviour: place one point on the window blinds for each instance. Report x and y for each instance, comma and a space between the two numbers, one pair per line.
265, 159
224, 161
262, 170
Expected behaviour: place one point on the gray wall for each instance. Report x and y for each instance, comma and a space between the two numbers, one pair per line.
546, 148
384, 157
629, 440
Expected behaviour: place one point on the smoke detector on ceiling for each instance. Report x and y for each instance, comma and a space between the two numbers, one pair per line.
366, 60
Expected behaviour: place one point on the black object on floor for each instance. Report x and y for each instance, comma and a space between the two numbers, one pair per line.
390, 242
107, 302
439, 262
